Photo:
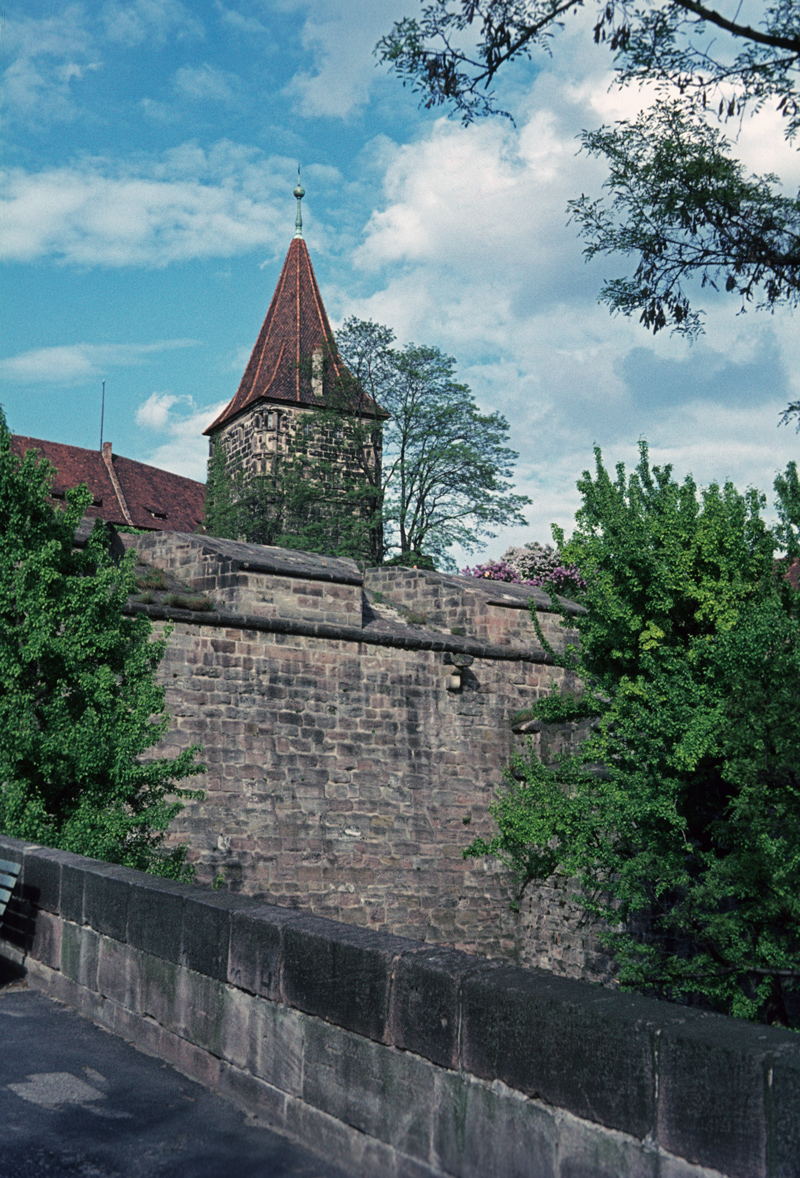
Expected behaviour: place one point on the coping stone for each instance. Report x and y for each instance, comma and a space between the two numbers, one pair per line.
106, 894
207, 930
256, 948
713, 1077
41, 875
341, 973
582, 1048
155, 916
426, 993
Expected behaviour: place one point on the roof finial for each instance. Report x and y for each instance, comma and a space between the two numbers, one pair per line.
299, 192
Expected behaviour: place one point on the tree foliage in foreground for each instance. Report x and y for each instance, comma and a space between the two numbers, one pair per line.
688, 841
442, 475
678, 200
79, 705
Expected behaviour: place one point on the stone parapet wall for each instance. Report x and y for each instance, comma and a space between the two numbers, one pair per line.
488, 611
348, 778
352, 755
397, 1058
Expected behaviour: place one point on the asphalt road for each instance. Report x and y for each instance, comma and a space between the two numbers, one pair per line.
77, 1102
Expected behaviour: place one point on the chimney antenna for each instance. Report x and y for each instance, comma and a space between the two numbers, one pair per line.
102, 414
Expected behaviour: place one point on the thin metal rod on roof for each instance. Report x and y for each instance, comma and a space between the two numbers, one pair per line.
299, 192
102, 414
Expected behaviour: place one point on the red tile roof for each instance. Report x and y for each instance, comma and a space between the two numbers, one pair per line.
124, 492
295, 326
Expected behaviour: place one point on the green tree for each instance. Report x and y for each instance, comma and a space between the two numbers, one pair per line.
433, 474
678, 200
445, 465
687, 841
79, 705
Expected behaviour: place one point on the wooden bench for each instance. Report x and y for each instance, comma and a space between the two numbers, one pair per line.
8, 877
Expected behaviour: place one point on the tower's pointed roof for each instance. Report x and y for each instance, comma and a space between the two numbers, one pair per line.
295, 328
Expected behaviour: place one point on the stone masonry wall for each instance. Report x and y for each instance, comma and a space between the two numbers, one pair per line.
349, 765
398, 1058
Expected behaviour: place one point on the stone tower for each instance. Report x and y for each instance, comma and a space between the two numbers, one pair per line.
294, 371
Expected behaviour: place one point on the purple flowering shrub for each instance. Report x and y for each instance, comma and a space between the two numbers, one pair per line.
533, 564
496, 570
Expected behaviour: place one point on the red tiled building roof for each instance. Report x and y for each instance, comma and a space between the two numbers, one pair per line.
124, 492
296, 326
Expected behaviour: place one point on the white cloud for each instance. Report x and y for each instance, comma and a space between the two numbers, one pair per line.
77, 362
189, 203
47, 56
184, 450
341, 38
470, 250
206, 83
154, 412
131, 22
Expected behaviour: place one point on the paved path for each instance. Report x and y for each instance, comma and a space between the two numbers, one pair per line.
77, 1102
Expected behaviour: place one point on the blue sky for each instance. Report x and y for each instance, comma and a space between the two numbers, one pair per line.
150, 149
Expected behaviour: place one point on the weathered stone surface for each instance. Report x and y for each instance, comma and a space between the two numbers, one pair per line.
155, 916
119, 973
783, 1113
256, 949
425, 1004
586, 1151
207, 930
79, 954
579, 1047
387, 1094
479, 1130
713, 1076
340, 973
73, 875
41, 875
106, 891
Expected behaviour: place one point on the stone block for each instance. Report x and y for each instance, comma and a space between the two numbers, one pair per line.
425, 997
155, 916
712, 1080
200, 1011
589, 1151
259, 1098
340, 973
73, 875
583, 1049
42, 877
119, 973
106, 891
783, 1102
159, 990
79, 954
481, 1130
255, 949
46, 946
277, 1045
207, 930
384, 1093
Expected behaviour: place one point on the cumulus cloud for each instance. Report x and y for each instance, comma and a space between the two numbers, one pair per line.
77, 362
47, 56
130, 22
188, 203
206, 83
341, 37
470, 248
154, 413
184, 449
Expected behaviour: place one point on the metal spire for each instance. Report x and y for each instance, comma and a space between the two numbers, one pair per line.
299, 192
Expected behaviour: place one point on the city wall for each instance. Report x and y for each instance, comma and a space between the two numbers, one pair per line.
355, 730
400, 1058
